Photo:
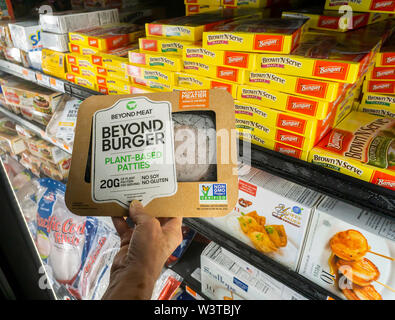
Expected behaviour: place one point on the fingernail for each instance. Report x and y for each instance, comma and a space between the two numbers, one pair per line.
135, 204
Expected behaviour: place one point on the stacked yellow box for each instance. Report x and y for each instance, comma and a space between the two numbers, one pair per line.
379, 86
98, 57
304, 87
159, 64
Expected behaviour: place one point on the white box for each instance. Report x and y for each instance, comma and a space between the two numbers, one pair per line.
55, 41
332, 217
224, 276
67, 21
26, 35
281, 202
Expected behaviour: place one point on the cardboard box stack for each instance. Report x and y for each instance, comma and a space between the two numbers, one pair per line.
159, 65
379, 86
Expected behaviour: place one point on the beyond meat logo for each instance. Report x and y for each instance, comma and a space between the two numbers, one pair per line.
268, 43
222, 38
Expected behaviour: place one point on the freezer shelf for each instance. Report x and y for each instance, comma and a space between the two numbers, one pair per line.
290, 278
36, 128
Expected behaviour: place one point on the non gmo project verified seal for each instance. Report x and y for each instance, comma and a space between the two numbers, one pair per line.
212, 193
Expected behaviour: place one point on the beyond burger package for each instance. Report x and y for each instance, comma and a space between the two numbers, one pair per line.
172, 151
348, 252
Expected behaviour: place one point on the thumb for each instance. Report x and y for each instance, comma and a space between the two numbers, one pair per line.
137, 213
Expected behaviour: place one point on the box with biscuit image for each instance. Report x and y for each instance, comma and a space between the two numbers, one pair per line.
271, 215
350, 252
174, 151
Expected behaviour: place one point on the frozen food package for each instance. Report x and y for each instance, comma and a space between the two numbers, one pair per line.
101, 246
26, 35
334, 20
227, 277
5, 35
60, 234
17, 174
363, 5
325, 56
166, 285
55, 41
10, 142
386, 56
271, 215
53, 63
187, 237
107, 37
13, 54
166, 153
349, 251
22, 93
63, 122
256, 35
67, 21
361, 146
189, 28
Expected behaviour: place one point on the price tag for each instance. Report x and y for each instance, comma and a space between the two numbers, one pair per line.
57, 84
29, 74
17, 69
42, 79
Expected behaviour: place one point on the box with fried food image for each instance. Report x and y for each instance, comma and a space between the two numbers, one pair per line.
272, 215
350, 252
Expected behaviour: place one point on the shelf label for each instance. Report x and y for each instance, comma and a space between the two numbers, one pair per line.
29, 74
42, 79
57, 84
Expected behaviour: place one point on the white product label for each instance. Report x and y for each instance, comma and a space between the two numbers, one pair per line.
133, 152
68, 120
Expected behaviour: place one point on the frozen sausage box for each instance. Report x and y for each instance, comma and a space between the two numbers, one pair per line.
173, 151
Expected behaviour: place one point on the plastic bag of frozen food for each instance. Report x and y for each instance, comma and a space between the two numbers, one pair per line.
102, 244
60, 234
166, 286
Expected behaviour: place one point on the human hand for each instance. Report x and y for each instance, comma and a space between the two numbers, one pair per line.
143, 253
